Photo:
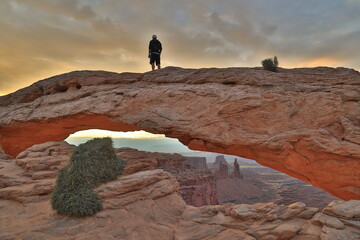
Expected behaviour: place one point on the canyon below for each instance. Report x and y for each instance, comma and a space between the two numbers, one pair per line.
164, 196
303, 123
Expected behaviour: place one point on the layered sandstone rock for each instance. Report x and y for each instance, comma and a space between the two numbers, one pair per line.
197, 187
304, 122
151, 184
31, 176
232, 188
147, 205
198, 163
144, 205
222, 172
221, 168
263, 221
219, 159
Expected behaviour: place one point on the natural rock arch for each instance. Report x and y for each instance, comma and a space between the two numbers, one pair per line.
304, 122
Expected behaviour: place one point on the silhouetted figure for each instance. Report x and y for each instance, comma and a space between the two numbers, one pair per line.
155, 50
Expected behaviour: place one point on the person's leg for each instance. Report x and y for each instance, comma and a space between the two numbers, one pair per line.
158, 61
152, 61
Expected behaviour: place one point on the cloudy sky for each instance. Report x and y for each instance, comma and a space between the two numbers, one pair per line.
42, 38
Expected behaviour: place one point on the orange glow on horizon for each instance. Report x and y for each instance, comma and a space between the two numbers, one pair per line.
317, 62
96, 133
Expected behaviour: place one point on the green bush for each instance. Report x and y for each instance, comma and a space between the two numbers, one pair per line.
91, 164
270, 64
80, 203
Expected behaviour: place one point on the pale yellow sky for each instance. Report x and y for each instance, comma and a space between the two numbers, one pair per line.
105, 133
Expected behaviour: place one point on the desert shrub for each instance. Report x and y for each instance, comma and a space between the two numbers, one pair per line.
80, 203
95, 162
270, 64
91, 164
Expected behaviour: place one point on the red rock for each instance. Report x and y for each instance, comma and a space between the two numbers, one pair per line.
128, 189
197, 187
235, 190
219, 159
303, 122
223, 171
344, 209
236, 173
41, 163
146, 205
198, 163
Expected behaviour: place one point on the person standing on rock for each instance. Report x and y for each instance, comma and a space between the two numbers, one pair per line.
155, 50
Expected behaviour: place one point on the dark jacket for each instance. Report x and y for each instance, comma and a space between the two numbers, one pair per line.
155, 46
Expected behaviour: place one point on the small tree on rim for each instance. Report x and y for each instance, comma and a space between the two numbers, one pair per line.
270, 64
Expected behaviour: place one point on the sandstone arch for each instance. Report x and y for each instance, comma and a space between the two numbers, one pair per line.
304, 122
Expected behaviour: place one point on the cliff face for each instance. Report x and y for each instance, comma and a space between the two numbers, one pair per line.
232, 188
219, 159
198, 163
221, 168
197, 187
303, 122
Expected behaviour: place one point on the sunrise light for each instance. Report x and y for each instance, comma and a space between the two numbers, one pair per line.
93, 133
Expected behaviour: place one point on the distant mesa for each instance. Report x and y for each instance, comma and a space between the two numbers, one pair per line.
223, 171
221, 168
237, 173
198, 163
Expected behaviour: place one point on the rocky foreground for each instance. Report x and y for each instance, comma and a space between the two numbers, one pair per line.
303, 122
145, 203
34, 171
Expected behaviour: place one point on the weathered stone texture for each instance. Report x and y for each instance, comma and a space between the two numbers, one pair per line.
303, 122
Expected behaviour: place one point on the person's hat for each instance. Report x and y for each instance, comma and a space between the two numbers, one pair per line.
154, 36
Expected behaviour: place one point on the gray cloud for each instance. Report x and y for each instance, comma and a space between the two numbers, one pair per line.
66, 8
46, 37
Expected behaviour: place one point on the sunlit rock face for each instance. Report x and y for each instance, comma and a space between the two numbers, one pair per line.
304, 122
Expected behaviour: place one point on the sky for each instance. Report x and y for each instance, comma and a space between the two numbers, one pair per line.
104, 133
42, 38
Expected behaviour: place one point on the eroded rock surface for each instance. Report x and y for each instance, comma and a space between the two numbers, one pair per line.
198, 163
147, 205
231, 187
31, 176
303, 122
236, 173
197, 187
143, 205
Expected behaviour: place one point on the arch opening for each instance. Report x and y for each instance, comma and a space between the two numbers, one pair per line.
58, 129
257, 183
